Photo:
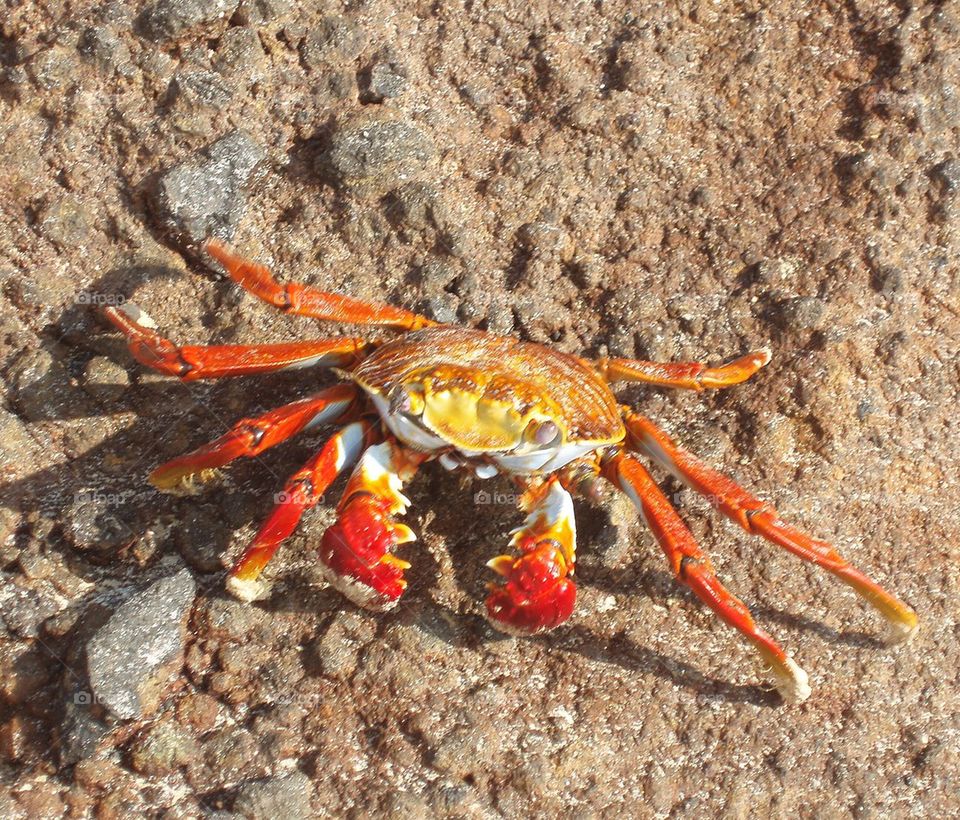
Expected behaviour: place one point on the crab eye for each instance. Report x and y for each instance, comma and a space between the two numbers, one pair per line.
542, 432
408, 400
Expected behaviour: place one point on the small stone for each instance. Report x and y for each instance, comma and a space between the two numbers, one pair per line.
54, 67
417, 204
105, 379
162, 750
102, 45
206, 196
65, 222
240, 55
387, 80
80, 732
232, 620
379, 155
258, 12
287, 797
94, 522
443, 308
337, 40
947, 174
16, 444
889, 281
801, 313
169, 19
198, 88
23, 671
23, 610
436, 274
202, 529
338, 647
132, 656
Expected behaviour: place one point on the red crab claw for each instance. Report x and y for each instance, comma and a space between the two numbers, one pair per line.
357, 551
538, 594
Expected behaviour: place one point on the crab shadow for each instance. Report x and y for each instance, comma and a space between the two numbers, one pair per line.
94, 506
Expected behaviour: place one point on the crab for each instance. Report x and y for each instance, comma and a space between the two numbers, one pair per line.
487, 404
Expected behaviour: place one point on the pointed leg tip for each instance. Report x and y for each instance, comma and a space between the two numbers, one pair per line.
791, 681
247, 589
182, 484
902, 632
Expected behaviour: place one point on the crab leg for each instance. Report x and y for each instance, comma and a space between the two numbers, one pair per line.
688, 375
303, 300
191, 362
692, 567
537, 593
758, 517
357, 551
303, 490
250, 437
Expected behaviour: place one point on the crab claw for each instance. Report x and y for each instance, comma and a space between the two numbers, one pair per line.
357, 551
537, 594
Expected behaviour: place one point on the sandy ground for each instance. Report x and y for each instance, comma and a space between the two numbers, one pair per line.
667, 182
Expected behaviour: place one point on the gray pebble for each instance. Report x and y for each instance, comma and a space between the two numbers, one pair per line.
54, 67
387, 80
801, 313
443, 308
206, 195
416, 204
287, 797
379, 154
102, 45
338, 648
335, 41
94, 522
80, 732
199, 88
239, 54
23, 610
257, 12
436, 274
131, 656
169, 19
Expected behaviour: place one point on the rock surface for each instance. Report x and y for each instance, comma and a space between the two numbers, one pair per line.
206, 195
673, 181
136, 653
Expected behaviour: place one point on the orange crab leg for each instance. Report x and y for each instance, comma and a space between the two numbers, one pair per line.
303, 490
191, 362
303, 300
250, 437
688, 375
357, 551
693, 568
537, 593
756, 516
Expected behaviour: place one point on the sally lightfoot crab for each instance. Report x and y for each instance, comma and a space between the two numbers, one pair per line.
487, 404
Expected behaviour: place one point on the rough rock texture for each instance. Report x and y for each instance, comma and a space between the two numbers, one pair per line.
132, 656
206, 196
675, 181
